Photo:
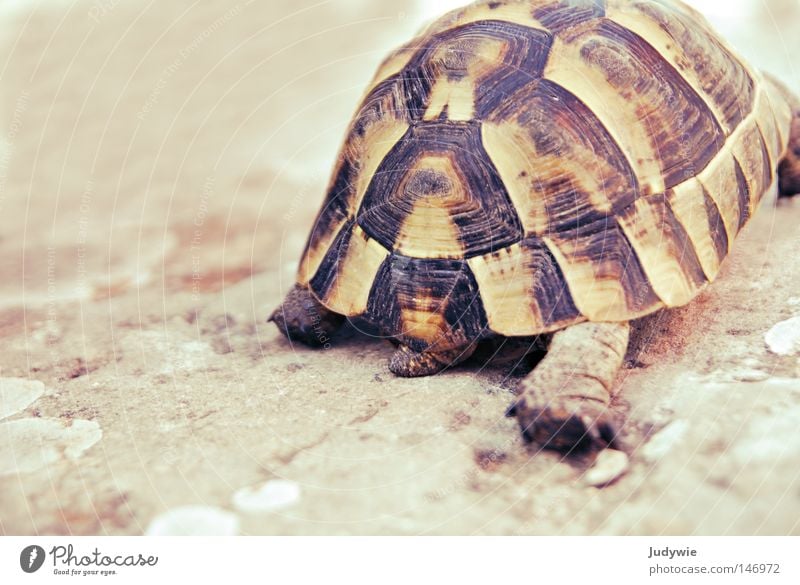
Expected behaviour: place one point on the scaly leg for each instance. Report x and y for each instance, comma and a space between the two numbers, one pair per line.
408, 363
302, 318
564, 401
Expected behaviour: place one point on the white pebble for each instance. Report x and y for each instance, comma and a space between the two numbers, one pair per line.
194, 521
273, 495
749, 375
664, 440
608, 467
31, 444
16, 394
784, 337
743, 374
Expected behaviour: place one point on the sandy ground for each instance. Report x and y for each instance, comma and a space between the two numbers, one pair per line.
160, 166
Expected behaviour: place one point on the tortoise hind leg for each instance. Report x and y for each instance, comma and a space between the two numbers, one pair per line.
407, 363
303, 318
564, 401
789, 168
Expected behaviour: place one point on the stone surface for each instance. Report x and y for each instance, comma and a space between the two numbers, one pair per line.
160, 168
28, 445
194, 521
16, 394
664, 440
784, 338
273, 495
609, 466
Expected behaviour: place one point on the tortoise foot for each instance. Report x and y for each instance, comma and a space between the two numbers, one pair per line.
407, 363
563, 403
566, 424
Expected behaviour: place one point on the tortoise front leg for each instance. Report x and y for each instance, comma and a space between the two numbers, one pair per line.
303, 318
564, 401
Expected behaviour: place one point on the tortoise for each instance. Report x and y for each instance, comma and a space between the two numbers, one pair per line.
548, 169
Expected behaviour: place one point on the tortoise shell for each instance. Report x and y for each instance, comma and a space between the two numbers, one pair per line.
522, 166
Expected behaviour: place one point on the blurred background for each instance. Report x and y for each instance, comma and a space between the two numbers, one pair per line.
125, 120
161, 163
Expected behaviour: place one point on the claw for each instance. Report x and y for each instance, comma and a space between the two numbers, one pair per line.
511, 411
564, 428
592, 432
528, 432
598, 430
609, 434
526, 419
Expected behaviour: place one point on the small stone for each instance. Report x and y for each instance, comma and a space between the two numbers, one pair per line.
16, 394
194, 521
664, 440
784, 337
743, 374
749, 375
750, 362
609, 466
272, 495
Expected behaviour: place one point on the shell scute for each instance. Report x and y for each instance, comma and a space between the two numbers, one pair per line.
523, 165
